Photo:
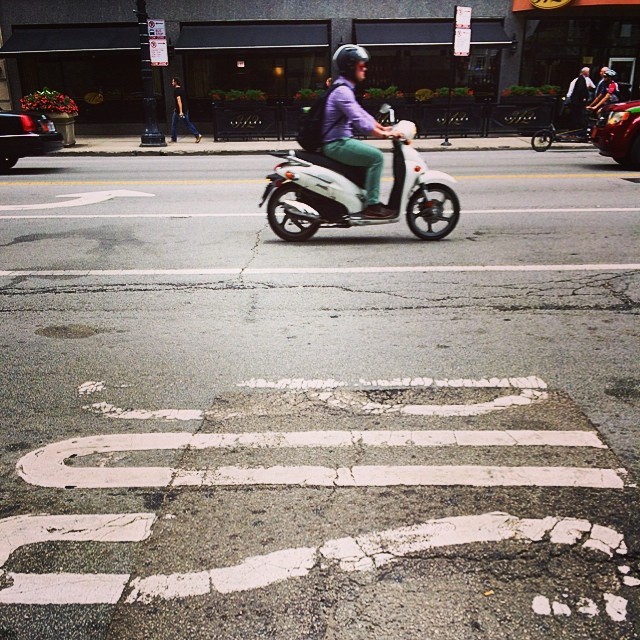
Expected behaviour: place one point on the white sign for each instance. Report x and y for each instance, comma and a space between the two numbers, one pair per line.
159, 53
156, 29
463, 17
462, 42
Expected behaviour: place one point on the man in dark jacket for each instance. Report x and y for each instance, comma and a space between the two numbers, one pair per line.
578, 97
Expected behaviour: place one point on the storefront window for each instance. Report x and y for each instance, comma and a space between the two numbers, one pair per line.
114, 78
279, 74
430, 68
555, 49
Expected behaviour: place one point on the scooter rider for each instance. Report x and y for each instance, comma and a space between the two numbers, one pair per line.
342, 115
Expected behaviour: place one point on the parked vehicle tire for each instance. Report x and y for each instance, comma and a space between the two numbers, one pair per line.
7, 162
433, 212
634, 154
284, 225
541, 140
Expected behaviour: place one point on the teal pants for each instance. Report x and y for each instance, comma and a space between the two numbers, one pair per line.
359, 154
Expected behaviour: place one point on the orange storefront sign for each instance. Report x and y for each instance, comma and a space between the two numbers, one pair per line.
530, 5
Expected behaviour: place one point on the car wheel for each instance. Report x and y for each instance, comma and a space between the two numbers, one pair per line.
6, 162
633, 159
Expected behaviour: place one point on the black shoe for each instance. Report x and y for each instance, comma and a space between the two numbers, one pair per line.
378, 212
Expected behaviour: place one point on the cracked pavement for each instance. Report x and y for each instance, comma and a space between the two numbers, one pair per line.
152, 340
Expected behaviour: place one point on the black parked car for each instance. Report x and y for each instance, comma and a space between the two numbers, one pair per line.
25, 134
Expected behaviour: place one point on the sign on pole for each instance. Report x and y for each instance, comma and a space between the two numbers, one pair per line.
158, 50
462, 33
156, 29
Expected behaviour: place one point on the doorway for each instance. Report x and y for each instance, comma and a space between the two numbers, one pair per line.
625, 74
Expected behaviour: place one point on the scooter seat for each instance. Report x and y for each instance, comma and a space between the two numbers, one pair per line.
355, 174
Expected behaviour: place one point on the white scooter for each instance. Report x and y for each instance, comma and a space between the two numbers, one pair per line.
309, 191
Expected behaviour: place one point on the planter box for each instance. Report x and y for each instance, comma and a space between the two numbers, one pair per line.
245, 121
524, 118
65, 124
527, 99
463, 119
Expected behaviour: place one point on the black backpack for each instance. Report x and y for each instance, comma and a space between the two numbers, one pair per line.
311, 123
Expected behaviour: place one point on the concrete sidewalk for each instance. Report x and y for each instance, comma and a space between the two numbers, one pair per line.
130, 146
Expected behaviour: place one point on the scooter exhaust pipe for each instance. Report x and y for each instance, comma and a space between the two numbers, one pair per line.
301, 210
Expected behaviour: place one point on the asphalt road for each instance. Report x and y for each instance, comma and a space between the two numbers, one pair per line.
236, 437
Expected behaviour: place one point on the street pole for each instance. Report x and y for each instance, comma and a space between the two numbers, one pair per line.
152, 136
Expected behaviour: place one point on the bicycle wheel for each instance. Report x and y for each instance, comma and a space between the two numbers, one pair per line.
542, 139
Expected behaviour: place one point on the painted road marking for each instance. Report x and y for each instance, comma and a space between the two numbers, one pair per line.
361, 553
18, 531
81, 200
46, 466
526, 382
526, 397
125, 216
529, 385
615, 607
241, 271
223, 181
66, 588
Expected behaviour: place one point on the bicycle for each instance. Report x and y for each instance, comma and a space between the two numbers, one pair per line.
544, 138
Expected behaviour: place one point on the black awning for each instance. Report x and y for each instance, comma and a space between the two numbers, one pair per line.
252, 36
71, 39
431, 34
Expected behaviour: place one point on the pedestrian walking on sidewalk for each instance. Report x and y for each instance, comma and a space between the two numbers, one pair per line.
181, 112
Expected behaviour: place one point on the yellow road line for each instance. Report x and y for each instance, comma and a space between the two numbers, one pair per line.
507, 176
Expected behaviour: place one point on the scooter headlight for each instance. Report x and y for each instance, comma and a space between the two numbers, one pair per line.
406, 128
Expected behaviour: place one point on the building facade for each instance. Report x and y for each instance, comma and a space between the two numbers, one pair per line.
91, 52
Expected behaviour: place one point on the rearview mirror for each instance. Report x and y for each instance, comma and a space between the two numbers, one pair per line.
385, 109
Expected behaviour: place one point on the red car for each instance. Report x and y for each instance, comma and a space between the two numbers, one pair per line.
617, 133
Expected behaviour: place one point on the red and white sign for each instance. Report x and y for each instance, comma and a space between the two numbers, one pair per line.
462, 35
159, 53
158, 43
463, 17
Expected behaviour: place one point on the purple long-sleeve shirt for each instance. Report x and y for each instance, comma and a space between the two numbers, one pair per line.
343, 114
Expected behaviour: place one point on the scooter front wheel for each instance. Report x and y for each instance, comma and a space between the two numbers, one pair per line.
433, 212
284, 225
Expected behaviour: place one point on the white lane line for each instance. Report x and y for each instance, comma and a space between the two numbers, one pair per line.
86, 216
527, 382
18, 531
111, 411
262, 215
616, 607
382, 476
236, 271
80, 200
63, 588
362, 553
90, 387
526, 397
46, 466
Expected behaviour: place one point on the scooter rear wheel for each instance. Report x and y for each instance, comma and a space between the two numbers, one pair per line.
433, 212
286, 226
